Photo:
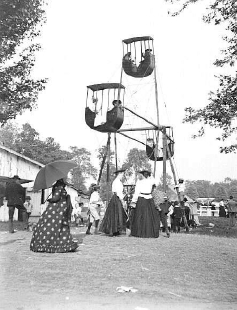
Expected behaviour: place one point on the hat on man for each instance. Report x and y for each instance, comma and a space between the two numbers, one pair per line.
16, 177
145, 171
28, 198
119, 171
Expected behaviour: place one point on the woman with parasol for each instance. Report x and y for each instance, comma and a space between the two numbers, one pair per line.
52, 232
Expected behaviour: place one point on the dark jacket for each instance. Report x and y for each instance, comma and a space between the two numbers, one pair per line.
15, 194
177, 213
232, 206
164, 206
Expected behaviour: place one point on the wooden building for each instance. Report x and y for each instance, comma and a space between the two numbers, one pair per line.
13, 163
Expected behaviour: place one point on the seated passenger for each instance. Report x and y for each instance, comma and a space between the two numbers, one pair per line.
146, 58
128, 63
117, 103
147, 53
127, 56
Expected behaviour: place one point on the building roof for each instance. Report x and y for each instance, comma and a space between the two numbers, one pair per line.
21, 156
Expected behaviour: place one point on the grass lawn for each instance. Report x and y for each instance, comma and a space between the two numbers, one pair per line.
196, 270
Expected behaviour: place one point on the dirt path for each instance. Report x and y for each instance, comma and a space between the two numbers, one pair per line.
184, 272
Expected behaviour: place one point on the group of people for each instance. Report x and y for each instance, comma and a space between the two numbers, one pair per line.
226, 208
145, 211
145, 56
142, 217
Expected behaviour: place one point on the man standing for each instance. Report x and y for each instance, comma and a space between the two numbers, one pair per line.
95, 200
180, 187
15, 195
232, 210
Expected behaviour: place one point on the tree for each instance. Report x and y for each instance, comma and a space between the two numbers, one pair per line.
233, 192
227, 180
170, 190
29, 144
51, 151
8, 135
19, 139
19, 25
85, 168
233, 183
221, 112
104, 186
136, 160
203, 188
168, 179
168, 182
191, 191
220, 193
25, 140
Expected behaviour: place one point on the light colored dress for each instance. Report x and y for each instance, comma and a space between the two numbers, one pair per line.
95, 200
4, 213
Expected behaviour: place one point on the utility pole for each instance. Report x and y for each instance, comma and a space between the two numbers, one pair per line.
108, 170
164, 138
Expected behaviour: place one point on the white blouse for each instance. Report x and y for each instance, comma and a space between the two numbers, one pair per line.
95, 198
117, 187
144, 188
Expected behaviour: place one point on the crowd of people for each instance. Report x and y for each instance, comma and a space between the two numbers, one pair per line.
143, 216
146, 214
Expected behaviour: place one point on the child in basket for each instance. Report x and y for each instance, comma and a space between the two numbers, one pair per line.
29, 207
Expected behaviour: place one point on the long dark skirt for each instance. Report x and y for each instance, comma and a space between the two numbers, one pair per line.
115, 218
222, 212
52, 232
145, 222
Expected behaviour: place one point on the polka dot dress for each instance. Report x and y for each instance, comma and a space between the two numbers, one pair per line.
52, 232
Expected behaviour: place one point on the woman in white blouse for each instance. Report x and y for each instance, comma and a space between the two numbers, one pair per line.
115, 218
145, 222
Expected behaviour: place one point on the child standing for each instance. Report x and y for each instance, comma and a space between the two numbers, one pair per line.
177, 214
77, 211
29, 207
169, 216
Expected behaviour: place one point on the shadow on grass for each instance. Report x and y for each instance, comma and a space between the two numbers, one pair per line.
220, 229
16, 224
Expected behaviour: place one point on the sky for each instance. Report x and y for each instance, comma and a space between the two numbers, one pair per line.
82, 45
